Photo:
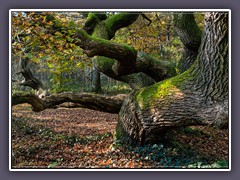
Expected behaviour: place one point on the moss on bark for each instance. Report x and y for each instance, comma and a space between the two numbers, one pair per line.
148, 96
118, 21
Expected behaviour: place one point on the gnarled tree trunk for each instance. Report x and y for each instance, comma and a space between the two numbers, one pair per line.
190, 35
199, 96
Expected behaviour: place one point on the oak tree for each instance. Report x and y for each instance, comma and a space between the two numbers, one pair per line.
161, 98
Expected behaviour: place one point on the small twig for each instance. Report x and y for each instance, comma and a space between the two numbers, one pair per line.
145, 17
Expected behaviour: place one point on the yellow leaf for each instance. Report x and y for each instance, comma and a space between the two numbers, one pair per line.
72, 58
19, 46
40, 54
50, 23
44, 19
51, 39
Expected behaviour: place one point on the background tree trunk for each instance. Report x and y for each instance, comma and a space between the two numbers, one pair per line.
96, 81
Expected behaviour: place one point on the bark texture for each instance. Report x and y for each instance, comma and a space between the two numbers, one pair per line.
190, 35
199, 96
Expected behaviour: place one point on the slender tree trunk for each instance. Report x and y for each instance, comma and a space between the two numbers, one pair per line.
96, 81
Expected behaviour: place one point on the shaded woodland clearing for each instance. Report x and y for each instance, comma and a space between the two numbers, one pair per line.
82, 138
159, 123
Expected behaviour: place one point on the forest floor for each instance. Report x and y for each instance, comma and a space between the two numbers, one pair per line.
82, 138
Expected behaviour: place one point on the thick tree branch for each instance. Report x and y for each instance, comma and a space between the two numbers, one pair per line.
148, 70
188, 30
37, 103
190, 35
129, 67
29, 79
111, 104
93, 46
158, 70
92, 20
119, 21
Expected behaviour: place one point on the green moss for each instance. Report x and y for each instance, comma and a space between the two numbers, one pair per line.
129, 48
91, 19
101, 15
148, 95
164, 89
108, 43
185, 76
102, 42
100, 31
104, 64
113, 19
186, 21
117, 21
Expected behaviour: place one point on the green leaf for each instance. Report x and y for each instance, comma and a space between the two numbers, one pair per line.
27, 38
70, 39
44, 57
50, 65
71, 23
58, 34
34, 59
80, 65
29, 55
52, 165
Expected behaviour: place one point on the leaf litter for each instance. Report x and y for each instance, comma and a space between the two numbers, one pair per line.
83, 138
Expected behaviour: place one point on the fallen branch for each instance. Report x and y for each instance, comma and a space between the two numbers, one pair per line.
111, 104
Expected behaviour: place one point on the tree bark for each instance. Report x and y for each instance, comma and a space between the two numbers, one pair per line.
199, 96
190, 35
29, 79
118, 61
111, 104
96, 81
